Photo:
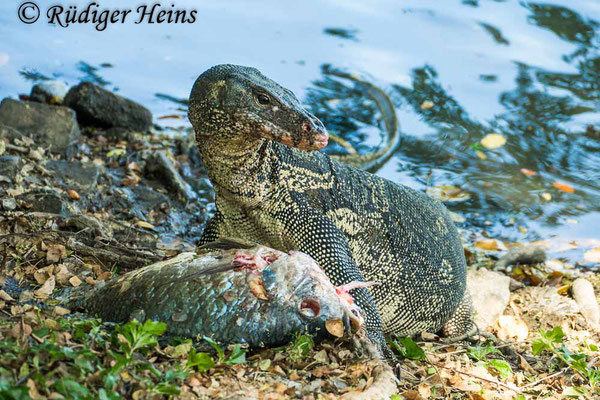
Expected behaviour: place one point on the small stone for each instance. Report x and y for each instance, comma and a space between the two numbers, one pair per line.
9, 166
490, 292
77, 175
9, 203
51, 92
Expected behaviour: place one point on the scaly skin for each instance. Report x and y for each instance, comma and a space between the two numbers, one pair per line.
258, 296
356, 225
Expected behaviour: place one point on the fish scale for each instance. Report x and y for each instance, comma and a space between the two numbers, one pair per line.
210, 295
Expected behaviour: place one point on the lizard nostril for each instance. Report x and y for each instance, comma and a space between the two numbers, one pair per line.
306, 127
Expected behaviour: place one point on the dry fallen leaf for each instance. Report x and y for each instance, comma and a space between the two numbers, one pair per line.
511, 327
144, 225
56, 252
412, 395
5, 296
73, 194
481, 154
564, 187
493, 141
75, 281
546, 196
490, 244
592, 256
427, 105
528, 172
447, 193
58, 310
46, 289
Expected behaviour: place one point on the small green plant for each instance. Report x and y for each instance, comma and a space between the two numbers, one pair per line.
480, 354
407, 348
552, 340
237, 355
300, 347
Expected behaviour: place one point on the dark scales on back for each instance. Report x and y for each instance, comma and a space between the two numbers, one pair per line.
253, 136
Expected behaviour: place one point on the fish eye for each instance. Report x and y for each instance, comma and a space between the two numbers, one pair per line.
263, 99
310, 307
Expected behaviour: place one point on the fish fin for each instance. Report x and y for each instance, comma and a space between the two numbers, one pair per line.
227, 243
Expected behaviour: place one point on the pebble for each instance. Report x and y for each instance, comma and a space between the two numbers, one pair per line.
51, 92
9, 203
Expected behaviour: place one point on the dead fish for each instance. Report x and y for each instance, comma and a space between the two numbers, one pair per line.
258, 295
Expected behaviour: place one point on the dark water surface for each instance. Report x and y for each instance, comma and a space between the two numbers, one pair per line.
526, 70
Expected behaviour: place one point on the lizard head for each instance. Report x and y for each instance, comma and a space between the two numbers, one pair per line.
239, 102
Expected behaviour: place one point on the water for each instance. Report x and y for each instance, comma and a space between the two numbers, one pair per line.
529, 71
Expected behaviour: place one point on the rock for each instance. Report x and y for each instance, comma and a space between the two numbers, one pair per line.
583, 293
137, 201
522, 255
101, 108
51, 92
9, 166
160, 165
9, 132
546, 307
83, 177
490, 293
45, 201
53, 127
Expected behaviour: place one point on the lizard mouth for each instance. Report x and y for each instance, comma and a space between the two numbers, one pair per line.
309, 136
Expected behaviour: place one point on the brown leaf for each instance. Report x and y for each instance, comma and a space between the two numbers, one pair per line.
46, 290
75, 281
258, 289
56, 252
73, 194
58, 310
412, 395
5, 296
424, 390
490, 244
131, 180
528, 172
564, 187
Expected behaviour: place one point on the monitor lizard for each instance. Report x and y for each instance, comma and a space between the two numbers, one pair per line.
258, 145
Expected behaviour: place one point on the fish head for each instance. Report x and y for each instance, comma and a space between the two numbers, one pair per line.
311, 301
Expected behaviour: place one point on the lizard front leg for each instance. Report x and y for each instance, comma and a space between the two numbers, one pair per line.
212, 231
317, 236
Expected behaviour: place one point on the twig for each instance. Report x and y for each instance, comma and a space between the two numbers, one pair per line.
515, 389
14, 147
562, 371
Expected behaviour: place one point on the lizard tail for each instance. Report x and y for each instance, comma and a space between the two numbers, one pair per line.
372, 161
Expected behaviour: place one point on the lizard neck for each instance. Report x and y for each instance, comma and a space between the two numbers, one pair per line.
240, 169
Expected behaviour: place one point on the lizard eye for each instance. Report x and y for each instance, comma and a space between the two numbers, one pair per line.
263, 99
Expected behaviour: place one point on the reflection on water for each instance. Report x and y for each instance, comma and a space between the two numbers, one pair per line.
528, 71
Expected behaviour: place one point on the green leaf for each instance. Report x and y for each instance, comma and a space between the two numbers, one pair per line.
154, 327
409, 348
555, 335
480, 353
396, 397
215, 345
202, 361
538, 346
570, 391
166, 388
237, 356
501, 366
